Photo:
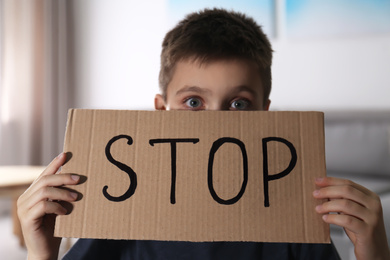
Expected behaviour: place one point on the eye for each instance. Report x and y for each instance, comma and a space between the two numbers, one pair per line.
239, 104
193, 102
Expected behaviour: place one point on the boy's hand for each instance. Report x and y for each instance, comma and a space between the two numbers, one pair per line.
38, 206
359, 213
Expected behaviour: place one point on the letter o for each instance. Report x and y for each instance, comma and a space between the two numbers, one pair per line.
216, 145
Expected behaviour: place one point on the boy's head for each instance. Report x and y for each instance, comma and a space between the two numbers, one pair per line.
215, 59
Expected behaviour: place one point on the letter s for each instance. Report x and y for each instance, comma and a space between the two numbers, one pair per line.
123, 167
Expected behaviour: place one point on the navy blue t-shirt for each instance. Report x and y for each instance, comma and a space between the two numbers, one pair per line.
145, 249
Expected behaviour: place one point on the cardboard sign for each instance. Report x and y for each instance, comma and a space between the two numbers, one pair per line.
195, 176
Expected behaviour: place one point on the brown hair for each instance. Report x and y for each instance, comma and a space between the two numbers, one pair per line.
213, 34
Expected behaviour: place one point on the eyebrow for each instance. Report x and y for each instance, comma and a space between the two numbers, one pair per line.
245, 88
195, 89
200, 90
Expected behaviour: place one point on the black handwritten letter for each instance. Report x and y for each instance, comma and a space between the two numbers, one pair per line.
213, 150
266, 176
173, 143
123, 167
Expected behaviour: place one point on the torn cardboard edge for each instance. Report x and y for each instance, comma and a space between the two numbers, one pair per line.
195, 176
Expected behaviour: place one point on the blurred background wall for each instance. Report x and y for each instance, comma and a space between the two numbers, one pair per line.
36, 79
329, 55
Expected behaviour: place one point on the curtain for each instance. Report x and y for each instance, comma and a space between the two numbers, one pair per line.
36, 79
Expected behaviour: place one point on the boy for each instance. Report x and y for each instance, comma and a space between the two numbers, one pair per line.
212, 60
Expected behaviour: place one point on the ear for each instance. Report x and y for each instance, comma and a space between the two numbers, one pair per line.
266, 105
159, 103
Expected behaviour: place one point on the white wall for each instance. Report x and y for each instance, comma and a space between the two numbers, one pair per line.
343, 73
118, 52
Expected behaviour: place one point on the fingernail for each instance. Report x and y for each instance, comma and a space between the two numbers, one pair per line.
318, 208
73, 195
75, 177
316, 192
324, 217
60, 155
319, 179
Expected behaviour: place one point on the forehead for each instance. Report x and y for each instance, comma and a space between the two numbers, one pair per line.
219, 75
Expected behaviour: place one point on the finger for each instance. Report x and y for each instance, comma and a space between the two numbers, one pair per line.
52, 168
342, 192
50, 181
57, 180
346, 207
55, 164
332, 181
351, 223
50, 194
43, 208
